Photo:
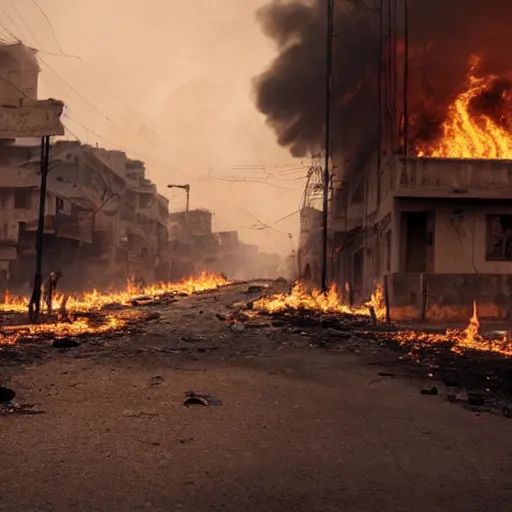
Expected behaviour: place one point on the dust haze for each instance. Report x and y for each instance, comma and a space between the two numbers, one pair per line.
170, 83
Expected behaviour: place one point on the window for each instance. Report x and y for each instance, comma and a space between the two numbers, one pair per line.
387, 242
22, 199
498, 238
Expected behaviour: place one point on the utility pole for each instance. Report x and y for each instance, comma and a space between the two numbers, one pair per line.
406, 78
34, 307
186, 188
326, 178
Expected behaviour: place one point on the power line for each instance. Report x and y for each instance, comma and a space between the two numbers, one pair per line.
80, 95
39, 8
29, 30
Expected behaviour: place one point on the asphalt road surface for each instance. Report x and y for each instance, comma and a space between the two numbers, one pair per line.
299, 429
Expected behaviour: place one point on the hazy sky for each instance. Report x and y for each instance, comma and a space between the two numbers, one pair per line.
170, 82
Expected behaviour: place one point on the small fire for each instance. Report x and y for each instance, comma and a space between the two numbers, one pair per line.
461, 341
467, 133
330, 302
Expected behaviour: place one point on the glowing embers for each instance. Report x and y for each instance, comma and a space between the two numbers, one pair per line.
479, 121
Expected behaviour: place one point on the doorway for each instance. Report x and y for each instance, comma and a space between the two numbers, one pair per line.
417, 240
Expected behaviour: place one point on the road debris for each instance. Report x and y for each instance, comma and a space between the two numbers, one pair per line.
431, 391
65, 343
193, 398
22, 409
6, 394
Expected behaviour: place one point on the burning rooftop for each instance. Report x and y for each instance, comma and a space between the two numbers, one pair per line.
478, 123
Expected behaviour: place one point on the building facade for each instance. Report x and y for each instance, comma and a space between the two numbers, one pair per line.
104, 223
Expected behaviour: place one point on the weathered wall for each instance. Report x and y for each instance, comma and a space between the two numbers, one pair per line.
446, 176
459, 235
449, 296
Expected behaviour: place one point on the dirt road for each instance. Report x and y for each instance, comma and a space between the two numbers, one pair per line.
299, 429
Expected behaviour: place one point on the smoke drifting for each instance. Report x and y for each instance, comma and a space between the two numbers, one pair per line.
443, 36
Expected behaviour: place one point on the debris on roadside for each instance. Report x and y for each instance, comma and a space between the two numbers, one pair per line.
156, 380
193, 398
6, 394
64, 343
476, 399
24, 409
430, 391
255, 289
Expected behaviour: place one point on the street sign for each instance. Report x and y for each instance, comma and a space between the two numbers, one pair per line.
31, 119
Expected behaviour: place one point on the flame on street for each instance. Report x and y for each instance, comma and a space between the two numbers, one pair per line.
330, 302
469, 134
93, 302
461, 340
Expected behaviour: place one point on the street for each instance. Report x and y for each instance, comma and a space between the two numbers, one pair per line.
299, 428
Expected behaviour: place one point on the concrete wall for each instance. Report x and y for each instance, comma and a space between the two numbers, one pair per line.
473, 178
459, 235
449, 297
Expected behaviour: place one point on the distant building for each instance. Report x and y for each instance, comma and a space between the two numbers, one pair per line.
103, 223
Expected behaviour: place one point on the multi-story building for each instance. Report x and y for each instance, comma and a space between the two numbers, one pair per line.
436, 231
104, 220
102, 225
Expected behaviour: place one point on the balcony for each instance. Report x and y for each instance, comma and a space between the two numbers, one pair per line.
429, 177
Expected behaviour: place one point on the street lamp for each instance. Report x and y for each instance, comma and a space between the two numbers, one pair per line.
186, 188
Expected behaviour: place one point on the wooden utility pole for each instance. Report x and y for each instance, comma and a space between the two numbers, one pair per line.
326, 177
34, 307
406, 79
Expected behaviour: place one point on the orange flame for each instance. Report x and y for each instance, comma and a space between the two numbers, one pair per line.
461, 340
330, 302
466, 134
95, 301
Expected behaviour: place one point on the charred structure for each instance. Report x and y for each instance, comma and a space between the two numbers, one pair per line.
422, 144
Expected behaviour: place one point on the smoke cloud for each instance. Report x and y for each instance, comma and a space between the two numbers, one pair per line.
443, 35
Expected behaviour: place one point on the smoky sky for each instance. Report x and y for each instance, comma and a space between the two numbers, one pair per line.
443, 35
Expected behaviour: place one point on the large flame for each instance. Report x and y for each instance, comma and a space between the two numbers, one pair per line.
471, 133
330, 302
94, 301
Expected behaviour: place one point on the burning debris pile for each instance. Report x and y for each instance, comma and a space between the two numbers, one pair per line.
96, 312
300, 299
313, 309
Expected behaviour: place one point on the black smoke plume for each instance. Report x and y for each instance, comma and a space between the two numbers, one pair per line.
443, 36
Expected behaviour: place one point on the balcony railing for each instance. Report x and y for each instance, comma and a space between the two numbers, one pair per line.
429, 176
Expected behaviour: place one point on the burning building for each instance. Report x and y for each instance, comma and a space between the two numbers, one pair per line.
421, 144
